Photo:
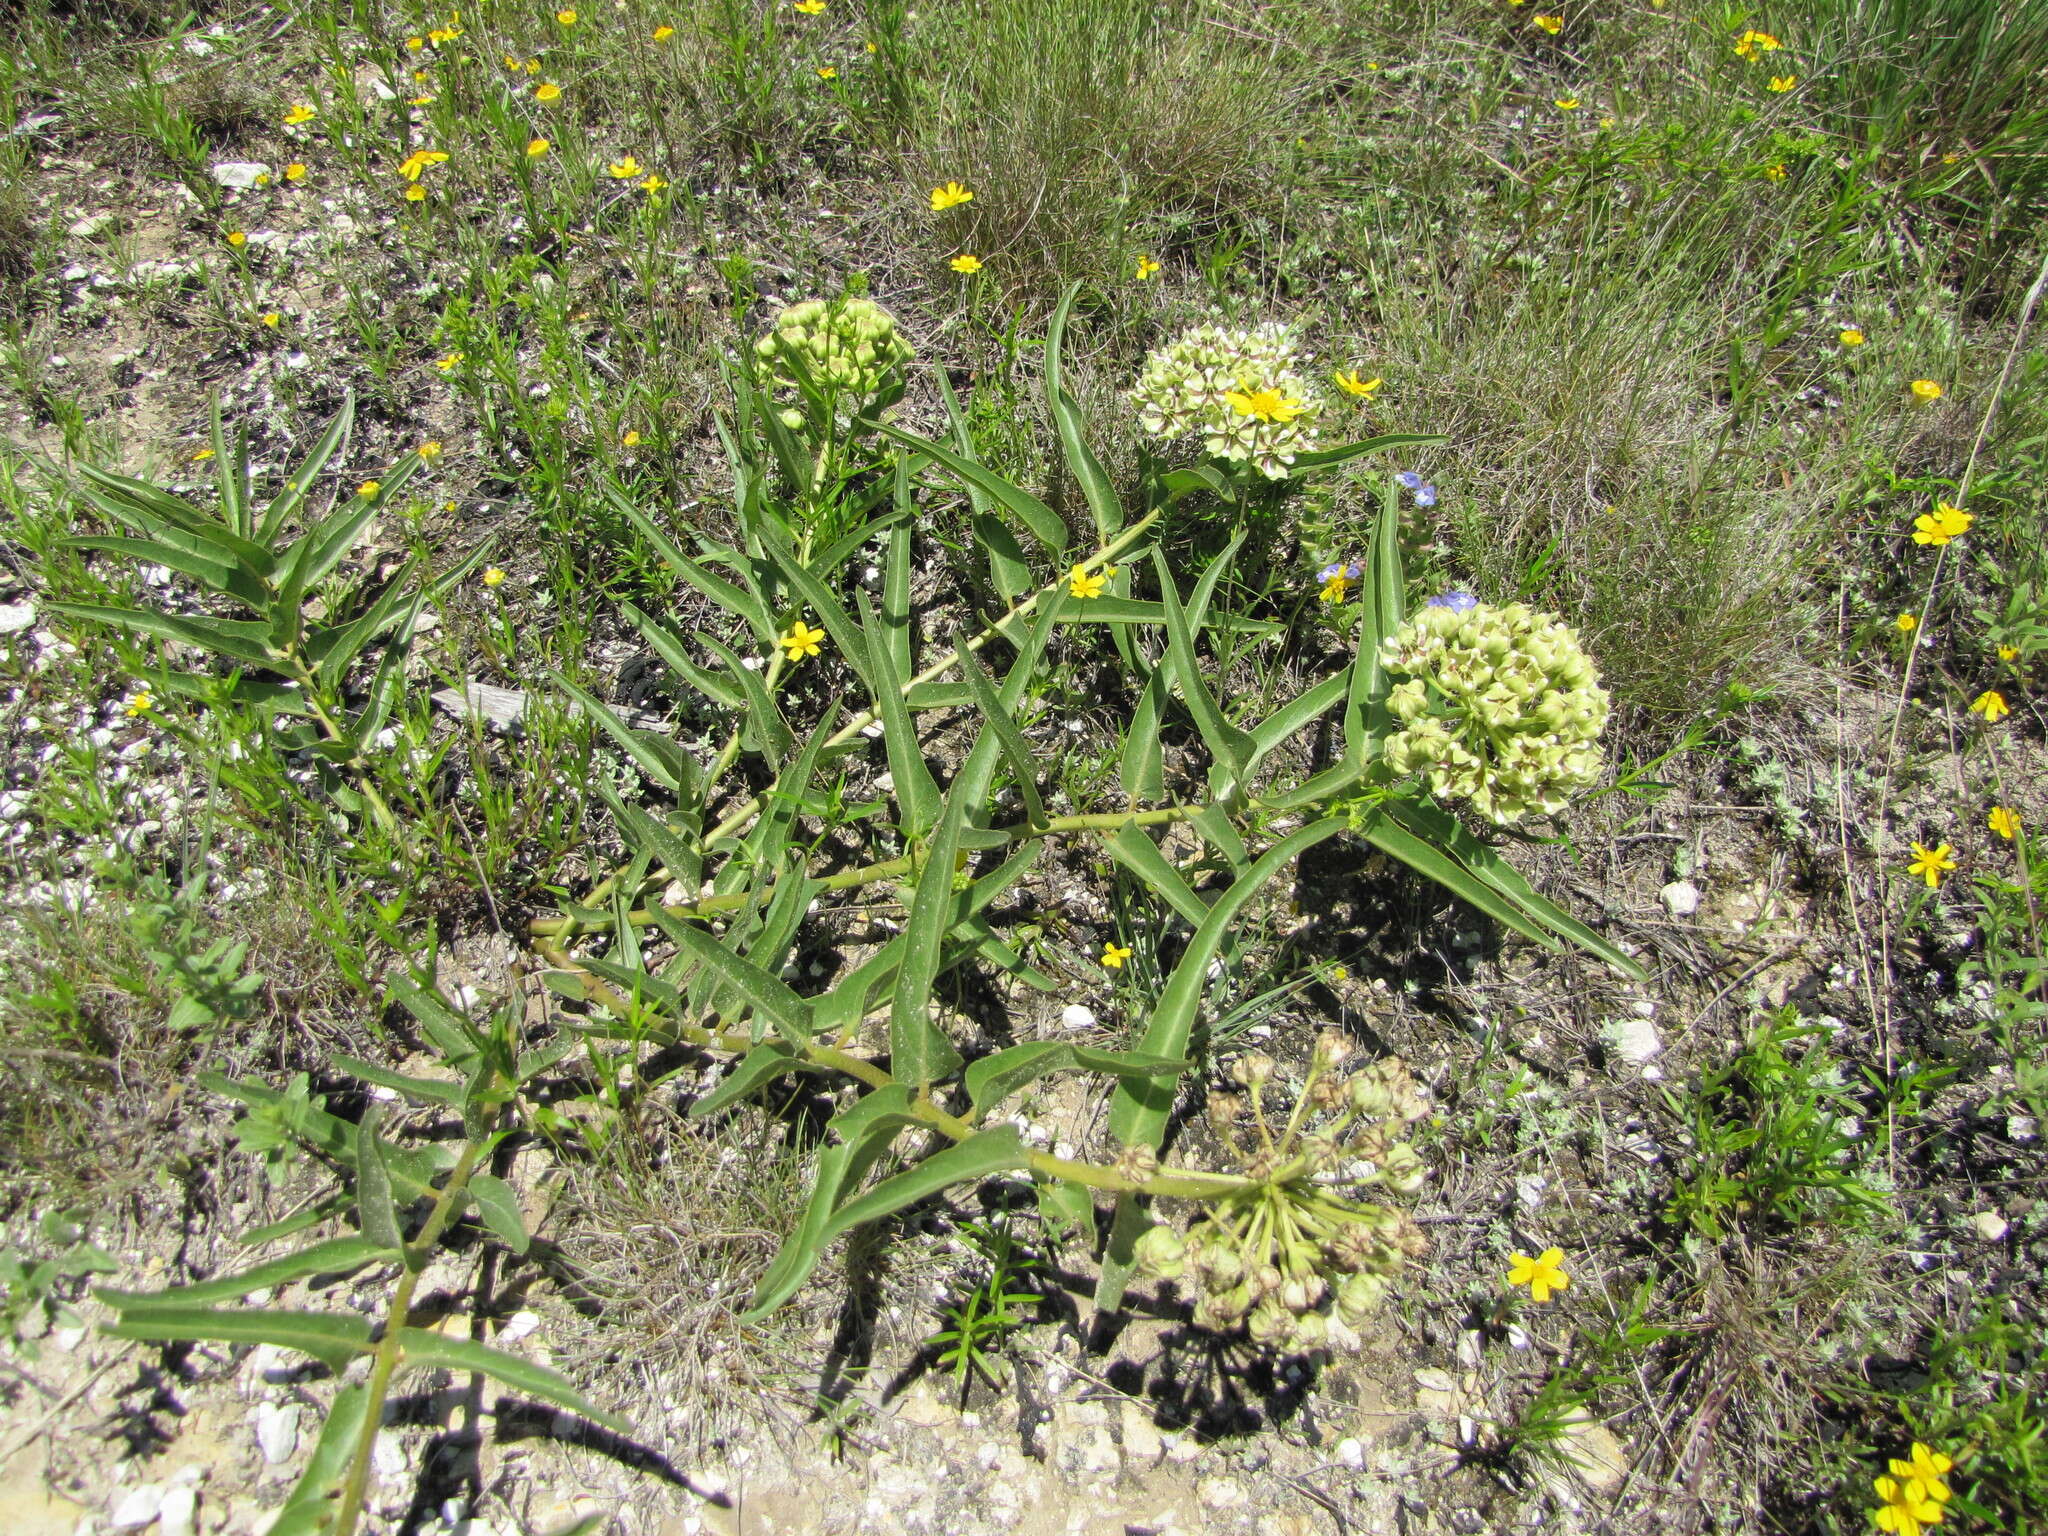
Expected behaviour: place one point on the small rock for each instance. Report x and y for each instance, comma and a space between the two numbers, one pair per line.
1635, 1040
518, 1326
1990, 1226
1681, 898
2020, 1127
1351, 1453
1471, 1349
93, 225
140, 1505
1141, 1436
180, 1508
240, 175
1219, 1493
277, 1431
919, 1407
1593, 1452
1075, 1016
15, 617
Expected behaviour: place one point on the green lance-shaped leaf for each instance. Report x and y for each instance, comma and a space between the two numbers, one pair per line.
1383, 604
239, 639
497, 1206
1067, 420
769, 996
207, 567
1231, 747
423, 1346
285, 505
334, 649
374, 1204
760, 1066
230, 470
985, 1152
157, 514
761, 722
865, 1131
332, 1338
916, 792
335, 1256
448, 1031
1426, 859
896, 609
1008, 569
725, 692
820, 600
1119, 1254
1141, 761
310, 1508
737, 601
675, 850
420, 1090
1132, 610
1008, 734
656, 764
1323, 458
321, 548
1137, 852
1040, 519
1301, 710
1067, 1209
994, 1078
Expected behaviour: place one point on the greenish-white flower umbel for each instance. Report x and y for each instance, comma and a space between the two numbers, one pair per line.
1239, 391
1498, 707
848, 349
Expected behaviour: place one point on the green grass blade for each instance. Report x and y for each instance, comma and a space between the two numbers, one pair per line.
1231, 747
737, 601
1015, 748
287, 501
1323, 458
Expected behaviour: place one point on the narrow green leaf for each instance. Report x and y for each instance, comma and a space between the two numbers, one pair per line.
341, 529
420, 1090
1382, 604
1067, 420
761, 722
1298, 712
996, 1150
1141, 761
332, 1338
1230, 746
1043, 523
1323, 458
916, 792
335, 1256
288, 500
1067, 1210
743, 605
334, 649
1131, 610
438, 1351
1011, 738
994, 1078
1141, 856
651, 763
1009, 569
676, 851
763, 1064
896, 611
669, 647
1119, 1254
770, 996
1217, 830
310, 1508
221, 575
238, 638
1434, 864
150, 510
820, 600
230, 470
374, 1205
498, 1206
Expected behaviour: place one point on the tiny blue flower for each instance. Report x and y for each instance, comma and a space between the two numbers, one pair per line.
1409, 480
1426, 496
1351, 572
1455, 600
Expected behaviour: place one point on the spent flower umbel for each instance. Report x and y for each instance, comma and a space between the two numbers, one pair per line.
1239, 391
1498, 707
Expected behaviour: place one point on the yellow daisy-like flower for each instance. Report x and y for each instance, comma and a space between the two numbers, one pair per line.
629, 438
273, 319
1336, 587
535, 148
809, 7
415, 165
1783, 82
1774, 172
547, 90
1927, 389
652, 183
1991, 705
1942, 524
1566, 103
494, 577
1352, 384
827, 72
1146, 267
662, 34
300, 113
951, 195
1850, 337
1551, 24
1906, 623
1263, 404
1754, 45
369, 487
430, 450
448, 364
1930, 864
566, 17
2005, 821
965, 263
2008, 653
1903, 1509
138, 703
1082, 585
237, 239
624, 169
1927, 1467
1542, 1274
1114, 955
415, 44
800, 640
442, 35
201, 455
424, 101
415, 193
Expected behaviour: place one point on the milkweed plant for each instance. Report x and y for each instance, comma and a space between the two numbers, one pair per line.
805, 650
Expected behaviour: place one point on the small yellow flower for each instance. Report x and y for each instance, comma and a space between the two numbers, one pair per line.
1991, 705
532, 67
137, 704
1942, 524
273, 319
424, 101
510, 62
1754, 45
1551, 24
1606, 122
1930, 864
1927, 389
494, 577
809, 7
2008, 653
430, 450
535, 148
630, 438
624, 169
1775, 172
951, 195
965, 263
1851, 337
1081, 584
2005, 821
1905, 1509
1566, 103
417, 163
1352, 384
547, 90
1336, 586
415, 193
1542, 1274
652, 183
1927, 1468
415, 43
263, 178
369, 487
1114, 955
1906, 623
1146, 267
872, 49
827, 72
800, 640
663, 33
1783, 82
448, 364
442, 35
201, 455
566, 18
300, 113
1263, 404
237, 239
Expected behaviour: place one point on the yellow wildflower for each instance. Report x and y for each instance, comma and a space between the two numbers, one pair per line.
369, 487
447, 364
1114, 955
1851, 337
1146, 267
424, 101
1942, 524
951, 195
1352, 384
547, 90
1906, 623
800, 640
1926, 1468
652, 183
630, 438
965, 263
138, 703
415, 43
430, 450
1551, 24
273, 319
201, 455
1081, 584
809, 7
2008, 653
300, 113
1566, 103
415, 193
827, 72
237, 239
566, 17
1783, 82
442, 35
1930, 864
535, 148
494, 577
2005, 821
1263, 404
1754, 45
1903, 1510
415, 165
1927, 389
1542, 1274
1991, 705
1775, 172
663, 34
624, 169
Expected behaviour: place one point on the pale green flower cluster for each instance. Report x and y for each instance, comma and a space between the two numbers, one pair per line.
1239, 391
847, 349
1291, 1260
1499, 707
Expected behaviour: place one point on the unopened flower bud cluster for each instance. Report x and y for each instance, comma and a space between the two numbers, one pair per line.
1498, 706
1299, 1266
1239, 391
848, 349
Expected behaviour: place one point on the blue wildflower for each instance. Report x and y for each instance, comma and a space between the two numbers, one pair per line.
1456, 600
1409, 480
1350, 572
